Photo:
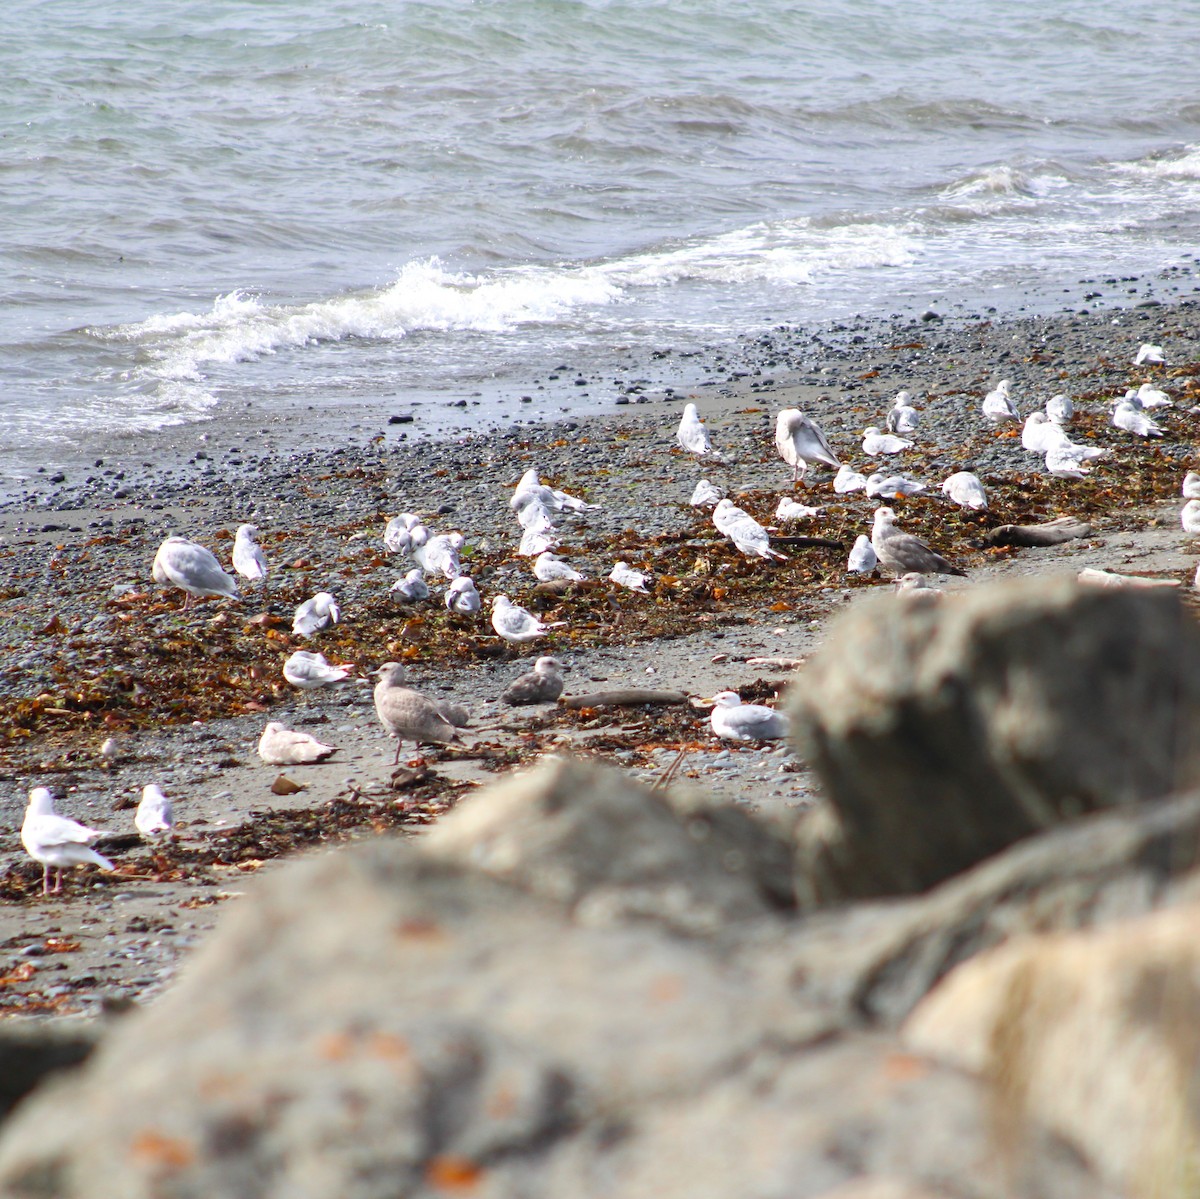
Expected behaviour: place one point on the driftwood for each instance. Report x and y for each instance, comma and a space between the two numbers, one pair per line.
1054, 532
623, 697
823, 542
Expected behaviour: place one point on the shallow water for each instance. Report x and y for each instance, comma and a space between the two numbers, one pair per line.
357, 206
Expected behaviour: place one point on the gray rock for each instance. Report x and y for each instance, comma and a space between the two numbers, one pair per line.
943, 733
609, 850
32, 1050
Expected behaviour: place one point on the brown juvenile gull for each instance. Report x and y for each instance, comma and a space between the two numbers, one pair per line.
407, 714
189, 566
799, 440
902, 553
56, 841
280, 746
541, 685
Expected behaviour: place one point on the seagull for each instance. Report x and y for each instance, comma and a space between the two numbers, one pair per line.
56, 841
625, 576
515, 624
917, 586
998, 405
412, 588
1190, 517
534, 515
315, 614
462, 597
848, 479
902, 417
541, 685
535, 541
789, 509
549, 567
799, 440
1150, 355
530, 489
397, 536
902, 553
732, 720
1134, 420
891, 486
706, 495
1191, 486
154, 814
1039, 433
966, 490
407, 714
863, 558
279, 746
307, 671
248, 559
184, 564
1065, 458
1149, 396
744, 531
1060, 409
692, 435
439, 555
876, 443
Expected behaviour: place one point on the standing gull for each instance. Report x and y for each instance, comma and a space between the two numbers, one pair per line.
541, 685
744, 531
184, 564
56, 841
692, 435
315, 614
799, 440
863, 558
998, 405
902, 553
407, 714
154, 814
515, 624
732, 720
248, 559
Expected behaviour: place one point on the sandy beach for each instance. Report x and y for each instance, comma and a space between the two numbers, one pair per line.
94, 650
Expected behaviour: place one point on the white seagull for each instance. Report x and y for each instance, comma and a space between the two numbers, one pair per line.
800, 440
1189, 518
863, 558
902, 417
515, 624
901, 552
625, 576
248, 559
1191, 486
549, 567
307, 671
315, 614
1039, 432
998, 405
875, 443
1149, 396
462, 597
692, 435
744, 531
56, 841
531, 489
154, 814
439, 555
848, 479
891, 486
789, 509
966, 490
280, 746
1060, 409
398, 534
411, 588
184, 564
1150, 355
705, 495
1134, 420
732, 720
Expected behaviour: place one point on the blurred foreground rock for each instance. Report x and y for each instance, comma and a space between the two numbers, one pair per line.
944, 732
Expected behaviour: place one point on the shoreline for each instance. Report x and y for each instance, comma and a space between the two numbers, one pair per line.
186, 697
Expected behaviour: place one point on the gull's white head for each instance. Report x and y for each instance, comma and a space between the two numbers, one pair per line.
884, 517
41, 801
548, 665
726, 699
246, 531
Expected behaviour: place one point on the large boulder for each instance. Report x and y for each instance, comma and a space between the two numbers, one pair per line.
610, 850
32, 1050
944, 732
1094, 1034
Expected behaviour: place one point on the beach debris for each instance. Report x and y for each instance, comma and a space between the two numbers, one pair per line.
192, 568
624, 697
541, 685
903, 553
1053, 532
1107, 578
57, 842
282, 785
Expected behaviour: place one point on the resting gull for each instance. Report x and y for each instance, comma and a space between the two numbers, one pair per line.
705, 495
462, 596
966, 490
875, 443
732, 720
309, 671
248, 559
515, 624
998, 405
744, 531
315, 614
1150, 355
411, 588
692, 435
280, 746
625, 576
541, 685
863, 558
549, 568
848, 479
1133, 420
902, 553
902, 417
154, 814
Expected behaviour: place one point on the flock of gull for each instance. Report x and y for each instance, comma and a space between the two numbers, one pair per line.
408, 714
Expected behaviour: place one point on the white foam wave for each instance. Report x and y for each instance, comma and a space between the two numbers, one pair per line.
1187, 166
998, 180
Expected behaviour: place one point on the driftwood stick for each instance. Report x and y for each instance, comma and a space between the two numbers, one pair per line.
822, 542
623, 697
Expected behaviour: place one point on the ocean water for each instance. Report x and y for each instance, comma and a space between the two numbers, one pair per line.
352, 207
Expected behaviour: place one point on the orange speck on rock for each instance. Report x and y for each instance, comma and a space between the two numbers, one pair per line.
157, 1149
449, 1173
